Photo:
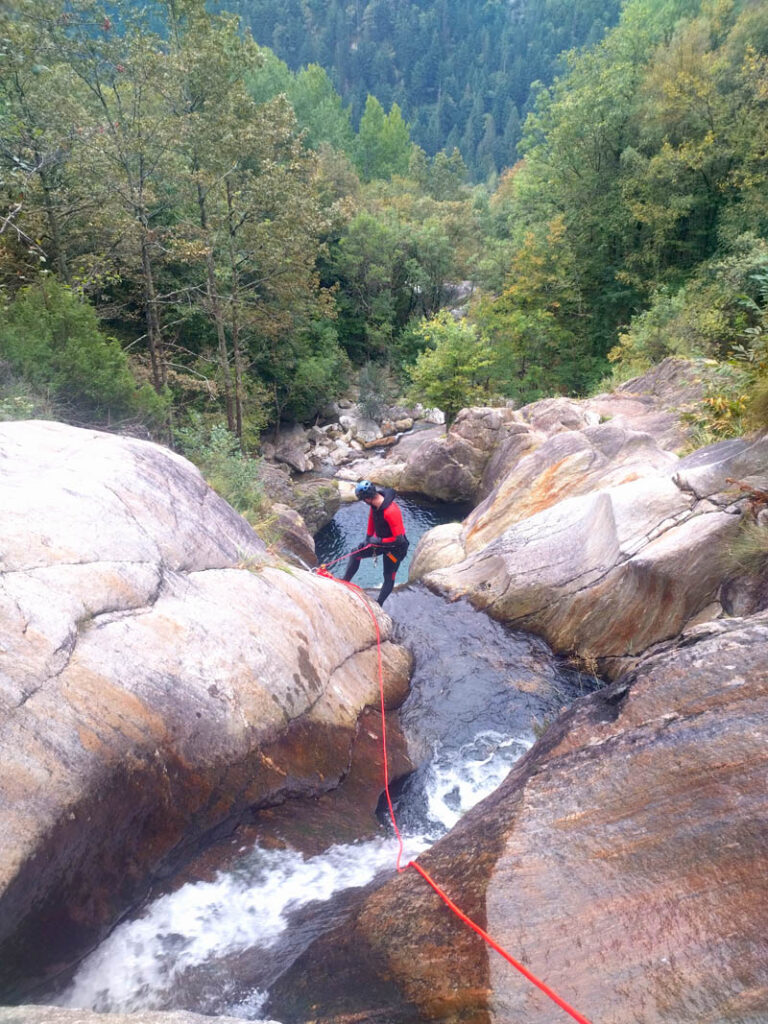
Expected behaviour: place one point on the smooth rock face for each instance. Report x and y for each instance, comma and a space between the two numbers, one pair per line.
655, 402
295, 543
600, 541
450, 468
565, 465
552, 415
442, 546
624, 861
484, 445
718, 467
378, 471
158, 678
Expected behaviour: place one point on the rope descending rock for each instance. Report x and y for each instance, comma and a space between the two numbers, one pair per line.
322, 570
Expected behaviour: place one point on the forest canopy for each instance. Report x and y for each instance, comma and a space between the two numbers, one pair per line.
193, 228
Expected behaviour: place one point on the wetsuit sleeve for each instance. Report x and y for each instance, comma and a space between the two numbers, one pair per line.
371, 531
394, 519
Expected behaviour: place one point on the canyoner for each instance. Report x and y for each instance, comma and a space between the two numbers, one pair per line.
385, 535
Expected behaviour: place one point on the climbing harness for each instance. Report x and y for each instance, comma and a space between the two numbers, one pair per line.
322, 570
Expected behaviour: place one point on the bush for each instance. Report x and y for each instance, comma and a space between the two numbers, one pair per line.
722, 411
216, 453
18, 401
454, 369
757, 407
51, 340
377, 390
748, 551
716, 314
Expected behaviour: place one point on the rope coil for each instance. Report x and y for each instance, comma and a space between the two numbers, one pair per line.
322, 570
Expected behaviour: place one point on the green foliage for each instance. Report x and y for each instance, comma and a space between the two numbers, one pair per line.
199, 193
534, 324
302, 371
51, 339
383, 145
318, 107
454, 369
757, 405
712, 315
391, 264
721, 313
748, 551
460, 72
18, 401
377, 390
723, 409
443, 178
216, 452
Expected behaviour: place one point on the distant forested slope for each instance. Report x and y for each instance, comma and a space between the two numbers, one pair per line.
460, 71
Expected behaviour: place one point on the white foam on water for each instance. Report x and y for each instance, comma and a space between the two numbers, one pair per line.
144, 960
454, 786
137, 966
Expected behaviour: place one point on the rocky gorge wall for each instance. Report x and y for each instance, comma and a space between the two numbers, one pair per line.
590, 530
624, 858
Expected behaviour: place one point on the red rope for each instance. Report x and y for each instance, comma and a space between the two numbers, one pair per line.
322, 571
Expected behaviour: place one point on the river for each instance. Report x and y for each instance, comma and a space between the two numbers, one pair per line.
479, 694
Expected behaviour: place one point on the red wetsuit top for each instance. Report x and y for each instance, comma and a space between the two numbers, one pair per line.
386, 522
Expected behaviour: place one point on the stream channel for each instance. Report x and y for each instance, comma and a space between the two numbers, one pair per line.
479, 693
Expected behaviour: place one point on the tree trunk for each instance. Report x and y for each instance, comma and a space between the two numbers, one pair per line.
218, 317
235, 315
53, 227
154, 337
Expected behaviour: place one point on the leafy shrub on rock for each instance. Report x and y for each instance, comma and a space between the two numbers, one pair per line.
454, 369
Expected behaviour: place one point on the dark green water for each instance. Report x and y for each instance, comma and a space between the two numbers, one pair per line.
347, 531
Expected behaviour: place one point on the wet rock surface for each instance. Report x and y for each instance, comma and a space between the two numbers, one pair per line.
253, 904
160, 677
623, 860
32, 1014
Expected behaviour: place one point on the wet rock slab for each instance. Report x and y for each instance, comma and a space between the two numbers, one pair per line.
624, 861
160, 676
59, 1015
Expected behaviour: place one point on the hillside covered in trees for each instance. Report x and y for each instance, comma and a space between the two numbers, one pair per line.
461, 73
197, 239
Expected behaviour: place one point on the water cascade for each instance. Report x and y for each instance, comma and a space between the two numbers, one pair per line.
215, 946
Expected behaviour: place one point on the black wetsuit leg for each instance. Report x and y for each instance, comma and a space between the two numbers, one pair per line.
390, 571
354, 562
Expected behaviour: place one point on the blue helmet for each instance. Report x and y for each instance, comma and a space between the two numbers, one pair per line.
364, 489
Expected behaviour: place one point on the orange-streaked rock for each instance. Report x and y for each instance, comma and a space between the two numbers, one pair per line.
160, 677
624, 861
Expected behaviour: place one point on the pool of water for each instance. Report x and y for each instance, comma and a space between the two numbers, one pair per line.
346, 531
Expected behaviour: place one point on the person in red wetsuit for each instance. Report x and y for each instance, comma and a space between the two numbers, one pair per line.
385, 535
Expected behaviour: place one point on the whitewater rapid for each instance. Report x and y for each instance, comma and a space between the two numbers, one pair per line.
146, 960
